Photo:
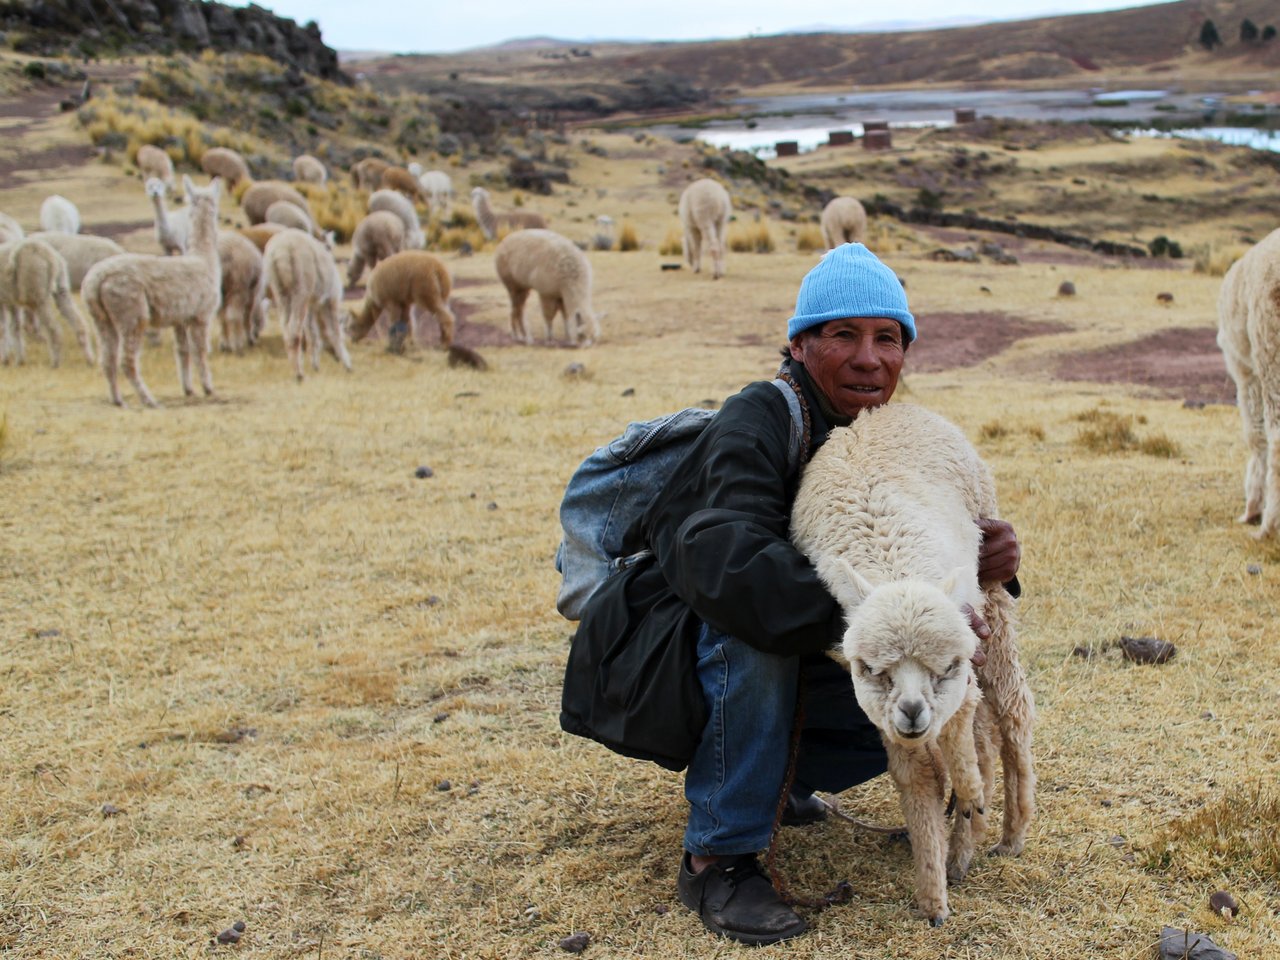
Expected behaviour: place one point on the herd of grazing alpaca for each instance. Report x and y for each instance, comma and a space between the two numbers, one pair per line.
907, 646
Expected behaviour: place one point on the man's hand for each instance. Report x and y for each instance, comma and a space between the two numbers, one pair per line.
999, 554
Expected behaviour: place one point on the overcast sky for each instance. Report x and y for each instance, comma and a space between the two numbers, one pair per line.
437, 27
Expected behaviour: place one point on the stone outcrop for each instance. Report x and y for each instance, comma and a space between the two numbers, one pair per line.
89, 27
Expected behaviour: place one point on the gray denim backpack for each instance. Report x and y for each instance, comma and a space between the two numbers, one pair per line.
614, 485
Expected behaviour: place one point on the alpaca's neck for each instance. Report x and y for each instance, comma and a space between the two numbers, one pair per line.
204, 234
162, 215
485, 217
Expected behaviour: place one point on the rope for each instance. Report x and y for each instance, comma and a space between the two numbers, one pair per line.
784, 374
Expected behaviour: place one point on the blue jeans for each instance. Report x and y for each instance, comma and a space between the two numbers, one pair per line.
735, 777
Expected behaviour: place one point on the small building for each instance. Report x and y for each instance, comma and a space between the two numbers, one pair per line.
839, 138
966, 115
786, 148
869, 125
876, 140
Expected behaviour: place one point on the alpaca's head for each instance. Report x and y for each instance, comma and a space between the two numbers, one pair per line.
908, 646
155, 187
415, 168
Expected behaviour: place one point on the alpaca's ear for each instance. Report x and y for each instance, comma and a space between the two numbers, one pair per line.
187, 186
952, 585
846, 584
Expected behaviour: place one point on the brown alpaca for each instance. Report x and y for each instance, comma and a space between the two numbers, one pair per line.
131, 292
377, 236
400, 179
367, 173
399, 283
261, 233
492, 222
259, 197
307, 289
154, 162
225, 163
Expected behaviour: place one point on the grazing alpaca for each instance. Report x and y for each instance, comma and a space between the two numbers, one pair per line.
262, 233
402, 207
1249, 336
59, 215
227, 164
367, 173
491, 222
307, 289
843, 221
704, 215
438, 186
155, 163
400, 179
544, 261
81, 251
886, 511
239, 314
307, 169
10, 229
33, 277
377, 236
173, 230
258, 199
401, 282
131, 292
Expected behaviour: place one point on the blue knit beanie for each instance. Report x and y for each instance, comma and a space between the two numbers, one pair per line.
850, 281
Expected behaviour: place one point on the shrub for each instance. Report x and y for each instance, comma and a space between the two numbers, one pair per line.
751, 238
672, 244
809, 239
1162, 246
627, 239
1212, 260
1114, 433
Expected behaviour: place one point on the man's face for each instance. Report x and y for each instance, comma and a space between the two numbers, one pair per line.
855, 362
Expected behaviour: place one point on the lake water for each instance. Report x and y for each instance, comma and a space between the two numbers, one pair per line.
809, 119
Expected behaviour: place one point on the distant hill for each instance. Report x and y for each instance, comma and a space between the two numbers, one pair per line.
1154, 44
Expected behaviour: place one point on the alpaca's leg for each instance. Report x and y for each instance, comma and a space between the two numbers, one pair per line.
1271, 475
716, 242
1249, 398
313, 339
333, 330
131, 354
959, 751
110, 339
693, 247
199, 334
69, 312
295, 332
399, 331
550, 305
1005, 687
448, 323
918, 776
9, 335
182, 356
519, 295
49, 324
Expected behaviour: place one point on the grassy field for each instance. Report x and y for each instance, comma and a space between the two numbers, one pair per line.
256, 670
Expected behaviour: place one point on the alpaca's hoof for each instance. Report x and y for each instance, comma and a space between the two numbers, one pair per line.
1006, 848
936, 922
958, 869
1250, 518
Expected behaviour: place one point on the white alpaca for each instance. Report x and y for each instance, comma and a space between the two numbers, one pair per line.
240, 313
80, 251
1249, 336
544, 261
33, 277
260, 196
307, 289
704, 215
59, 214
402, 207
491, 222
307, 169
131, 292
843, 221
411, 278
173, 229
886, 512
10, 229
154, 162
292, 216
225, 163
377, 236
438, 187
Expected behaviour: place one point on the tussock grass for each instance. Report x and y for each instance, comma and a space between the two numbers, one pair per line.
628, 239
1109, 432
335, 205
809, 239
1215, 259
1231, 841
750, 237
672, 243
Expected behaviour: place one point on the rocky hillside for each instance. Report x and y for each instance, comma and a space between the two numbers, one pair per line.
95, 27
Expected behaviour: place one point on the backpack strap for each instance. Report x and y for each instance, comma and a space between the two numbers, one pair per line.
798, 444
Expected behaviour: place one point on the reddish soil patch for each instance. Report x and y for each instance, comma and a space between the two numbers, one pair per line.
949, 340
1177, 362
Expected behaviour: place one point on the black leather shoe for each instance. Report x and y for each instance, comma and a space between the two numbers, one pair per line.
734, 899
802, 810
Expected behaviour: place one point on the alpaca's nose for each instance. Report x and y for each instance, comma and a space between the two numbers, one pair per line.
911, 711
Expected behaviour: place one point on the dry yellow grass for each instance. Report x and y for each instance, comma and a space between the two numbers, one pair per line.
753, 237
256, 670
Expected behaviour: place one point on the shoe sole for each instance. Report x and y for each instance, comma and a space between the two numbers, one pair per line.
752, 939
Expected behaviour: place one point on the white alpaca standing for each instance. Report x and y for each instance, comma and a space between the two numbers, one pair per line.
843, 221
886, 511
33, 277
377, 236
491, 222
129, 293
80, 251
704, 215
154, 162
59, 214
308, 169
402, 207
1249, 336
307, 289
173, 229
438, 186
240, 313
544, 261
